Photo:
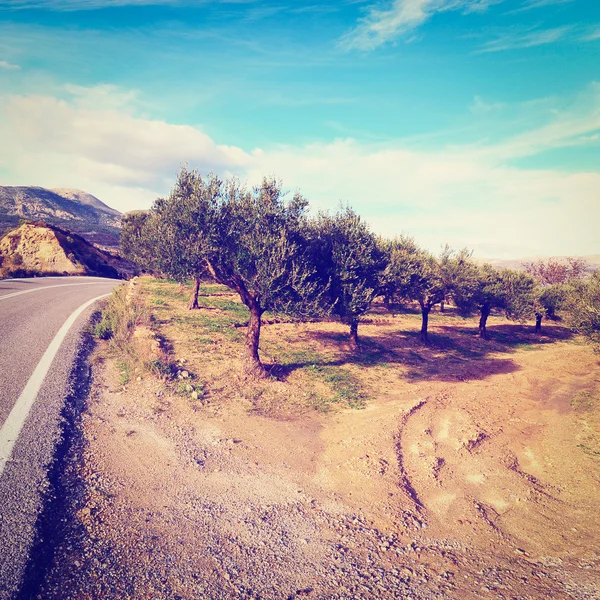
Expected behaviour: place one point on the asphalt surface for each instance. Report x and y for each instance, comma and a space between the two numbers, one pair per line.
32, 312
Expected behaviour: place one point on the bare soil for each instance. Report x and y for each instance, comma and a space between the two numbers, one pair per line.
463, 469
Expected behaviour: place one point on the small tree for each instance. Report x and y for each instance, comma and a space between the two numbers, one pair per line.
415, 274
136, 245
179, 228
458, 272
549, 300
506, 289
257, 246
583, 308
351, 263
169, 238
553, 276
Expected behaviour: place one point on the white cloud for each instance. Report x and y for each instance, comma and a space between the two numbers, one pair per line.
513, 40
463, 195
8, 66
403, 16
94, 138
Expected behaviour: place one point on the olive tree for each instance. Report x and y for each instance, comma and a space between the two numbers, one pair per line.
504, 289
415, 274
554, 277
169, 238
350, 265
256, 244
135, 243
583, 308
178, 228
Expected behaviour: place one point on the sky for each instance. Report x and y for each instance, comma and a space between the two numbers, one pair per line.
469, 122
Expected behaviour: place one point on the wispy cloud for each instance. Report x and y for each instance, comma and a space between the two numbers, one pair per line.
4, 64
513, 40
591, 36
541, 3
380, 26
577, 126
74, 5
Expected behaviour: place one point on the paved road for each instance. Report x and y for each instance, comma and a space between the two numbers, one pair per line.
41, 322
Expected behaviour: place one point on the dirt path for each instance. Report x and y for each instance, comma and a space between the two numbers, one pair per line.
466, 475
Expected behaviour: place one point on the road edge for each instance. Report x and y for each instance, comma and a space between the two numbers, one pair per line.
56, 519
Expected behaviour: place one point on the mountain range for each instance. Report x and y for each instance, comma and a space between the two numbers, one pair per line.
71, 209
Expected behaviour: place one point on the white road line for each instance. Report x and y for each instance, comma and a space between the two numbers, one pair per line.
47, 287
14, 423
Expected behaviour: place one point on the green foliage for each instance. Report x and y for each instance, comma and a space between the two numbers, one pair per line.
103, 329
413, 273
257, 247
124, 372
458, 272
583, 307
553, 298
178, 227
135, 242
487, 288
351, 262
518, 294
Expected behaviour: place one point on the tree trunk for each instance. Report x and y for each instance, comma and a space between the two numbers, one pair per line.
387, 301
354, 334
252, 364
485, 313
193, 303
424, 322
538, 322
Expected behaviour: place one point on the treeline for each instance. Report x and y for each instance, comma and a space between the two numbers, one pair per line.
277, 257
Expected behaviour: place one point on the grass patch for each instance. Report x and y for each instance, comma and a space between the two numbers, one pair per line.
124, 372
584, 400
345, 386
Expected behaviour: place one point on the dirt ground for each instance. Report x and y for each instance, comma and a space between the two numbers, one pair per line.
463, 469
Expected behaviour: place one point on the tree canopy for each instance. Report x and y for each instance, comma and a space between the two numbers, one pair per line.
350, 264
487, 288
256, 244
584, 308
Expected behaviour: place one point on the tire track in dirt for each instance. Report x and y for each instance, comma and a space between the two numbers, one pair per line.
405, 482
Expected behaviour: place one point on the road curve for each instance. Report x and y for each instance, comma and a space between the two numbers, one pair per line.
41, 322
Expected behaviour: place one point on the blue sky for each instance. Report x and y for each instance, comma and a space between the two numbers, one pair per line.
473, 122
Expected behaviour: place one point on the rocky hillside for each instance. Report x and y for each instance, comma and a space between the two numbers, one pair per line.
66, 208
37, 249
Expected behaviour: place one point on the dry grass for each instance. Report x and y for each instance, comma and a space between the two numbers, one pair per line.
311, 364
127, 324
304, 371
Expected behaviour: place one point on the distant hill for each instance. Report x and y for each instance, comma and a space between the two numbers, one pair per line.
35, 249
66, 208
593, 261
